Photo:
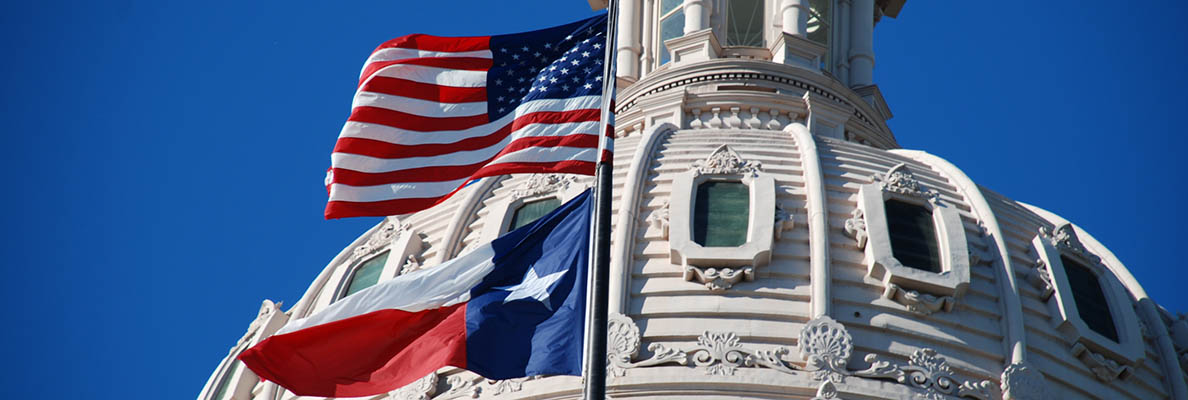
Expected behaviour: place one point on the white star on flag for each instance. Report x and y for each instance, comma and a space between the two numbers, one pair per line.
533, 287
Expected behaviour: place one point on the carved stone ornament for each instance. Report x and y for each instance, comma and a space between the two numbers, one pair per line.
1064, 238
659, 220
827, 391
623, 342
543, 183
783, 221
421, 389
410, 264
856, 227
725, 161
1041, 278
267, 309
917, 302
720, 354
1021, 381
1105, 369
899, 179
379, 240
462, 386
826, 347
719, 279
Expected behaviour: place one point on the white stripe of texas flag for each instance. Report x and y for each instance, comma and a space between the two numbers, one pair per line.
444, 285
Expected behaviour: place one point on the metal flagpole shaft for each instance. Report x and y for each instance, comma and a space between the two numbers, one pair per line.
595, 388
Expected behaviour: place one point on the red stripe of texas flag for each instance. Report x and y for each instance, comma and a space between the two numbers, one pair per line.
403, 347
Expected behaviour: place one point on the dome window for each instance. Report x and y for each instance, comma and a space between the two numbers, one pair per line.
914, 243
1092, 306
723, 220
672, 25
366, 274
913, 235
531, 197
531, 211
393, 249
720, 213
744, 23
1087, 304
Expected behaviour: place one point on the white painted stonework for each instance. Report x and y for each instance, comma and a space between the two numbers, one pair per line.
813, 305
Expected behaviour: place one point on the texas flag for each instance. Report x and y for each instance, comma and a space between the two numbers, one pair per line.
512, 308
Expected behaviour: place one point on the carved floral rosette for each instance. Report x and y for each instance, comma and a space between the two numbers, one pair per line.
826, 346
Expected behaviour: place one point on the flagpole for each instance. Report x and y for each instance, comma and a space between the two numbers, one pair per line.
595, 382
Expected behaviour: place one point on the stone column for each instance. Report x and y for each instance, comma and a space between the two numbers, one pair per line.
628, 40
649, 29
795, 15
862, 43
696, 16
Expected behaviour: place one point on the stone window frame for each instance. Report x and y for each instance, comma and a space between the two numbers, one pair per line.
563, 187
399, 239
923, 292
1107, 359
719, 268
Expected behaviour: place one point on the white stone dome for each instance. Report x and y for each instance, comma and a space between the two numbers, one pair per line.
815, 303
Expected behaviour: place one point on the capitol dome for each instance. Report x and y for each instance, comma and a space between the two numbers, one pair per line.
771, 240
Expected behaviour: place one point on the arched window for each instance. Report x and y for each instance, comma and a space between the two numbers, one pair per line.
220, 392
913, 235
1091, 300
744, 23
366, 274
531, 211
672, 25
721, 211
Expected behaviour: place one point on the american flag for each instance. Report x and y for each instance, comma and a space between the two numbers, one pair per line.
432, 114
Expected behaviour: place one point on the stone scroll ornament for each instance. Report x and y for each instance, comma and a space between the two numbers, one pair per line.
825, 347
623, 343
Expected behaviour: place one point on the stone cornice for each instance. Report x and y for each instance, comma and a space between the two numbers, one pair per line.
728, 70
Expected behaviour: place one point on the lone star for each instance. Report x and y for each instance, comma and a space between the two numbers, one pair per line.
533, 287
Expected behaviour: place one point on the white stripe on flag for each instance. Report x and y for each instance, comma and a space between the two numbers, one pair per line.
404, 190
419, 107
444, 285
370, 164
433, 75
408, 137
547, 154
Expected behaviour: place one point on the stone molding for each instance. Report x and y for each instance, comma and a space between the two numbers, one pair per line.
789, 49
1021, 381
720, 268
921, 292
693, 47
1107, 358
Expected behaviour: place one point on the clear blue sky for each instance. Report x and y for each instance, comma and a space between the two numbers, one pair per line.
165, 159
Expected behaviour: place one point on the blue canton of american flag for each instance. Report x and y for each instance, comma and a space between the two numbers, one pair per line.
432, 114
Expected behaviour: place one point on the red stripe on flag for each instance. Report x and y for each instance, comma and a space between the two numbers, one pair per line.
436, 43
414, 122
347, 209
381, 149
437, 173
363, 355
424, 91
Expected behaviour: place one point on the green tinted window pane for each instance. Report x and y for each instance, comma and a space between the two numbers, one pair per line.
1090, 299
819, 21
225, 382
744, 23
531, 211
721, 214
913, 236
671, 27
668, 5
367, 274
